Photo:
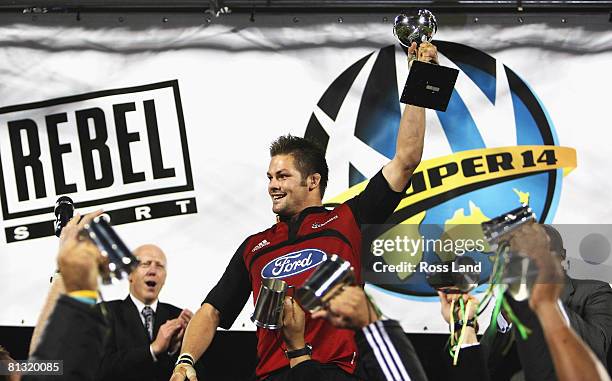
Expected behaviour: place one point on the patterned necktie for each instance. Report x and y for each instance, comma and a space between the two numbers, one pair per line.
147, 313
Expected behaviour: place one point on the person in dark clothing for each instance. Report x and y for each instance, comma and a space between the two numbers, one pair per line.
145, 333
304, 235
90, 339
76, 331
585, 304
385, 352
556, 348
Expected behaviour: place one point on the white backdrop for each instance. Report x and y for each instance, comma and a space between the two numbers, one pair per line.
242, 84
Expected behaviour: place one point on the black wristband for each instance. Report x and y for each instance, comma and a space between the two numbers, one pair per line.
307, 350
470, 323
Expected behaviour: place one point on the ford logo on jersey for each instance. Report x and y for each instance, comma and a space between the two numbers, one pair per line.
293, 263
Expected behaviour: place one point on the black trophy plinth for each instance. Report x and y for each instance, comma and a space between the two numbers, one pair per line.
429, 85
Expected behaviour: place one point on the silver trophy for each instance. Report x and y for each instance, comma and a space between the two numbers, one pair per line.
325, 283
499, 227
269, 305
418, 27
455, 282
519, 272
119, 260
428, 85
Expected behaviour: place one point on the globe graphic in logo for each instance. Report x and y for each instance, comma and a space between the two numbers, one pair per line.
491, 106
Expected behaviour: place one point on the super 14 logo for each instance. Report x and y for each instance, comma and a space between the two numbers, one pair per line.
105, 147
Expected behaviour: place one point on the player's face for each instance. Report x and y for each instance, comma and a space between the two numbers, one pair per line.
147, 280
286, 187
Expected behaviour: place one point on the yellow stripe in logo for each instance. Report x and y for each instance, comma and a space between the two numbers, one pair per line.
440, 175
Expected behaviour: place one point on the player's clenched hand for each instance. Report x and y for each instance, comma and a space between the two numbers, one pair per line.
349, 309
294, 323
184, 372
427, 52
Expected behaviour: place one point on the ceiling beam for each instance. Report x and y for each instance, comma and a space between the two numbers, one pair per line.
307, 5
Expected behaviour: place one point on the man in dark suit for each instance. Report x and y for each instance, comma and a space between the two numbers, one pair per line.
587, 305
74, 330
145, 333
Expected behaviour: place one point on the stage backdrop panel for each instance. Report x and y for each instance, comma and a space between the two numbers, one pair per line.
166, 124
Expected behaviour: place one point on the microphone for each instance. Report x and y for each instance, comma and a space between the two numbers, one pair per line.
64, 210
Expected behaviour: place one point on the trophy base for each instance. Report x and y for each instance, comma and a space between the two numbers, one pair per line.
429, 85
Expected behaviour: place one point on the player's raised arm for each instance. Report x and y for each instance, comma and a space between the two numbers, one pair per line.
411, 133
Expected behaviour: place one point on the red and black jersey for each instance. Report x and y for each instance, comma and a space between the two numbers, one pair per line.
290, 250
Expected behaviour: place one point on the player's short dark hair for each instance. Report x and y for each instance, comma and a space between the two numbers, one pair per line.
309, 157
556, 241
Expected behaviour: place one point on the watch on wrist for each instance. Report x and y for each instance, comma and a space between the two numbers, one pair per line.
307, 350
470, 323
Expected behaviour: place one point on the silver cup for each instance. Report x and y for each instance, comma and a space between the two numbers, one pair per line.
455, 282
428, 85
497, 228
120, 260
269, 305
419, 26
324, 283
519, 272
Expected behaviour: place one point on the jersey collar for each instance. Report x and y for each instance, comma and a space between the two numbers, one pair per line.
300, 216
